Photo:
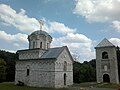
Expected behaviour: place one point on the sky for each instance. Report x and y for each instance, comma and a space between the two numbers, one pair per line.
78, 24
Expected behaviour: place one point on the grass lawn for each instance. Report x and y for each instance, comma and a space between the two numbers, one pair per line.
94, 84
11, 86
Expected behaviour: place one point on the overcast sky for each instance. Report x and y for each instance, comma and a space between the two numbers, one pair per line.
78, 24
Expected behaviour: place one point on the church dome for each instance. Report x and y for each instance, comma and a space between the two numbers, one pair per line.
39, 39
40, 32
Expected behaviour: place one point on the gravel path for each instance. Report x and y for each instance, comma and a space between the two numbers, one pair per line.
78, 88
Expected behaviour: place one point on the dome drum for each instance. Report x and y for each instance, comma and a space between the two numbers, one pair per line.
39, 39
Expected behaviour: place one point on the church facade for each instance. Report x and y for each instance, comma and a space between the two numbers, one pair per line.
42, 66
106, 62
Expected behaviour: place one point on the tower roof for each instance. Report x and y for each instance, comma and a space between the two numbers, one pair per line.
104, 43
40, 32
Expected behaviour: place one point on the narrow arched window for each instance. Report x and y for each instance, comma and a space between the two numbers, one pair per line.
40, 44
104, 55
64, 78
105, 68
65, 66
28, 72
33, 44
47, 45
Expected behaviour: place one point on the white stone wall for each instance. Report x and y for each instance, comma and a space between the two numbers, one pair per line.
44, 73
41, 73
46, 41
59, 70
31, 54
111, 62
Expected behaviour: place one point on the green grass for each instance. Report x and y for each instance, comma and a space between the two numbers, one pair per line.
11, 86
94, 84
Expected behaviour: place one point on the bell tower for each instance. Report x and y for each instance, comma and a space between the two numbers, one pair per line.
106, 62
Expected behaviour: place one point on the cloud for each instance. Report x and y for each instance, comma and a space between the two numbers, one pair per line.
78, 44
19, 20
98, 10
116, 25
12, 38
115, 41
53, 26
26, 24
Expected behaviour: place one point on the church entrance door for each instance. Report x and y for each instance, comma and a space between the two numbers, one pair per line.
64, 78
106, 78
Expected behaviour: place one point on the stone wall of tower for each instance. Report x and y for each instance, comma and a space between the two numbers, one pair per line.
111, 63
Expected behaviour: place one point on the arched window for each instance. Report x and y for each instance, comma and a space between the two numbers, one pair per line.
28, 72
64, 78
65, 66
40, 44
104, 55
33, 44
47, 45
105, 68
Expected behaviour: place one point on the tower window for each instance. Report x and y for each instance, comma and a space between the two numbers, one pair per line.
104, 55
105, 68
40, 44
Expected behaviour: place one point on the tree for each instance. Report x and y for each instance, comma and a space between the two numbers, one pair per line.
3, 68
10, 59
84, 72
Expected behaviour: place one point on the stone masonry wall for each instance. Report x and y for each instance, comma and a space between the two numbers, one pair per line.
41, 73
111, 62
59, 70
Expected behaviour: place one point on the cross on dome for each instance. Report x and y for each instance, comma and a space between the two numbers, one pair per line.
41, 24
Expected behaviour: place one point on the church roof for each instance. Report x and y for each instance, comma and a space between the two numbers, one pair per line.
53, 52
105, 43
41, 32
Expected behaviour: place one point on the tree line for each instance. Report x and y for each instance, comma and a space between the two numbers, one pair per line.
82, 72
7, 66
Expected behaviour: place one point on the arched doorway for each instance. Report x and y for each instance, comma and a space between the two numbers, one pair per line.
64, 78
106, 78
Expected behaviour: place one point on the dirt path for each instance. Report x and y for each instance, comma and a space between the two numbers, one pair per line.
78, 88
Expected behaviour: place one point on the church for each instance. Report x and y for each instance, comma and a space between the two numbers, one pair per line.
42, 66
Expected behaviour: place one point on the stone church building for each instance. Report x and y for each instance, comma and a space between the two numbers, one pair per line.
106, 62
42, 66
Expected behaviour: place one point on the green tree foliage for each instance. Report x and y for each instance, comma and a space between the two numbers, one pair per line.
84, 72
10, 59
3, 68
